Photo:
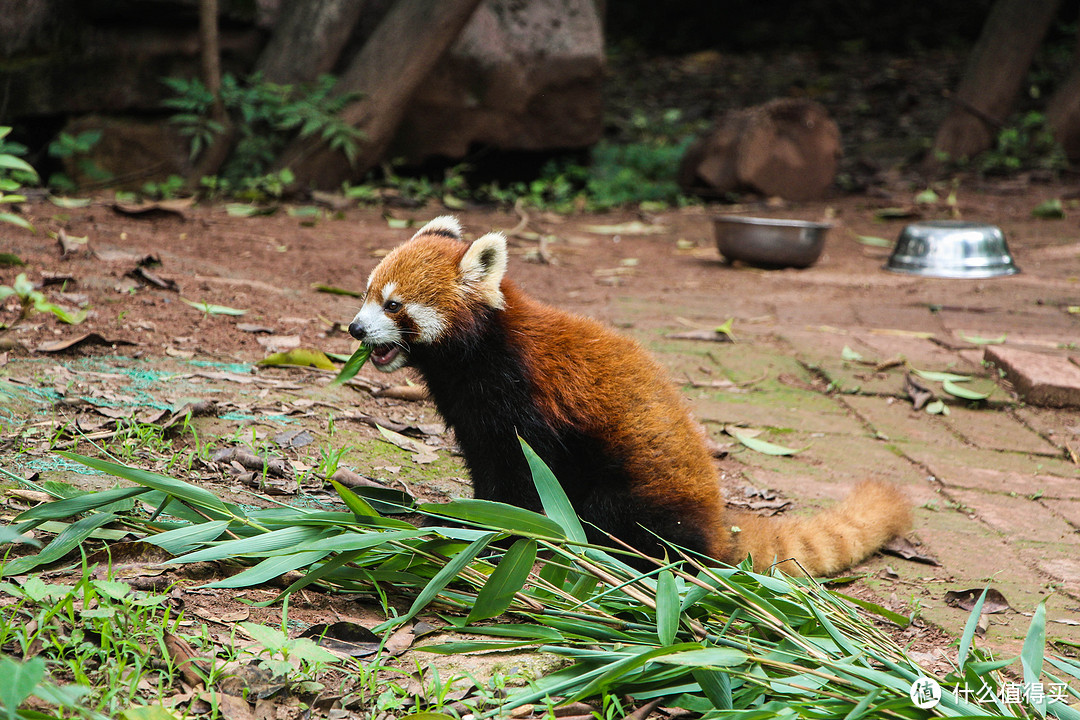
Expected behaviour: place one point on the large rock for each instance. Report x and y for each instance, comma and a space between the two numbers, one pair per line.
130, 152
522, 76
787, 148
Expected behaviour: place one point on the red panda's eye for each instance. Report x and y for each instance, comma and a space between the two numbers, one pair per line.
392, 306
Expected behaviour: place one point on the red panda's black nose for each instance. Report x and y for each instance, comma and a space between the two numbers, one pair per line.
357, 330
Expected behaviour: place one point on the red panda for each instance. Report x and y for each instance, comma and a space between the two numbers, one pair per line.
594, 406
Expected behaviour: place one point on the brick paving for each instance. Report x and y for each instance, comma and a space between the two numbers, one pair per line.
996, 483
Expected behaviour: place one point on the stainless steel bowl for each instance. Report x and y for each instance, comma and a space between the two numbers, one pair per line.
952, 249
770, 242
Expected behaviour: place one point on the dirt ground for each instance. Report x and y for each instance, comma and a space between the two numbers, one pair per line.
651, 275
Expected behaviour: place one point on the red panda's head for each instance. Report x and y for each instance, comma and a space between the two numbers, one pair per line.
425, 288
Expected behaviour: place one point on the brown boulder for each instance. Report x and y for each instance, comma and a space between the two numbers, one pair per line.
787, 148
129, 153
522, 76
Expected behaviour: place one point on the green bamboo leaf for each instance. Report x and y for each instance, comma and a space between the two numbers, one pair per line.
354, 502
940, 376
9, 534
255, 546
798, 684
761, 446
70, 202
521, 631
269, 569
850, 355
552, 496
352, 365
456, 648
697, 656
557, 684
440, 581
873, 241
179, 489
627, 663
213, 309
969, 629
352, 541
10, 162
313, 575
60, 546
979, 340
1065, 665
507, 579
70, 507
876, 609
926, 197
19, 680
830, 628
147, 712
1031, 655
717, 687
13, 219
859, 711
667, 607
555, 574
507, 518
183, 539
962, 392
937, 407
299, 357
1061, 711
1051, 209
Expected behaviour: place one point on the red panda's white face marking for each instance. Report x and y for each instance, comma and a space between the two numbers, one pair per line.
421, 288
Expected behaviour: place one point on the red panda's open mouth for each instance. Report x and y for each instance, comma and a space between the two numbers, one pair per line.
384, 354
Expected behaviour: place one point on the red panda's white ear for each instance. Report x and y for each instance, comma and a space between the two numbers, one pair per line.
445, 225
483, 267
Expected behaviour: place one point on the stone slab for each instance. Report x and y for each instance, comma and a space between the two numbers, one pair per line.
1041, 379
1018, 518
986, 428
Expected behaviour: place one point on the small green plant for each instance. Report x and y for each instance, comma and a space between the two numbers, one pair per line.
1029, 144
34, 301
266, 116
170, 187
97, 634
640, 172
67, 146
14, 174
310, 659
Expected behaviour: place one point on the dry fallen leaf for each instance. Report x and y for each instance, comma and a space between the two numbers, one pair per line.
965, 600
902, 547
90, 338
410, 393
149, 208
919, 393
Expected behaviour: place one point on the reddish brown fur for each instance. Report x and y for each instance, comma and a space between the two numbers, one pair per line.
604, 385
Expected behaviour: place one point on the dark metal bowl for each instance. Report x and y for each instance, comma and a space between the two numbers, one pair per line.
770, 242
952, 249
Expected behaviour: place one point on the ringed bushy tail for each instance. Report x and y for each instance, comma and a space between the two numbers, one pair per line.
829, 541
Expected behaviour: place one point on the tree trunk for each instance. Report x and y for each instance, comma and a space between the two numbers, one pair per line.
403, 49
993, 77
307, 40
215, 155
1063, 110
